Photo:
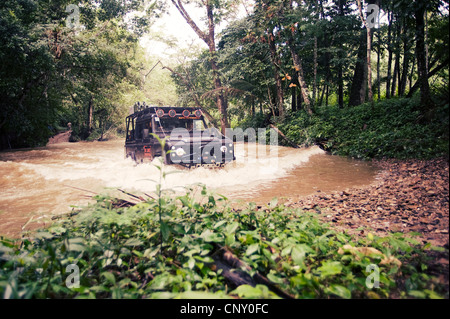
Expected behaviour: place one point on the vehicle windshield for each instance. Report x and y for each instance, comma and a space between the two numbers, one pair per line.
167, 125
212, 132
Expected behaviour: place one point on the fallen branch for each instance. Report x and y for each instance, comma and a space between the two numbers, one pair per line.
149, 196
132, 195
284, 136
69, 214
81, 189
238, 272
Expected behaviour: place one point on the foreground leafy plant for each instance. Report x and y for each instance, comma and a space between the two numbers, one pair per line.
120, 255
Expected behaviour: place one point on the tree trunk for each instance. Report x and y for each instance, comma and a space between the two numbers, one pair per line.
253, 108
299, 100
221, 100
294, 99
405, 68
389, 66
369, 64
209, 39
378, 66
276, 71
359, 83
322, 94
411, 74
369, 51
90, 115
396, 70
425, 96
340, 75
340, 88
315, 72
301, 80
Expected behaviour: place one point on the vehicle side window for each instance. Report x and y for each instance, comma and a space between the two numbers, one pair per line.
139, 129
146, 129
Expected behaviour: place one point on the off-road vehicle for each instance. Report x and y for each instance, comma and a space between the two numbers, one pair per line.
188, 141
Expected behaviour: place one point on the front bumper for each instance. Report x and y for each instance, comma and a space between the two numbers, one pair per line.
213, 154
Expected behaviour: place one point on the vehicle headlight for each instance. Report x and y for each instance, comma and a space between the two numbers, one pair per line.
180, 152
223, 148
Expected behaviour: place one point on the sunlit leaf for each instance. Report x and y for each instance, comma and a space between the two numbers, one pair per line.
339, 291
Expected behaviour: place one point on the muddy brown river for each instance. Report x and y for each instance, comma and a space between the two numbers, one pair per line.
38, 183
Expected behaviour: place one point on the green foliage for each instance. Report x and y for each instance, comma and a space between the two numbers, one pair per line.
29, 81
120, 254
391, 128
104, 71
52, 74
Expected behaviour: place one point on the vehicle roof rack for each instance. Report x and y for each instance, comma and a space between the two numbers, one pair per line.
141, 109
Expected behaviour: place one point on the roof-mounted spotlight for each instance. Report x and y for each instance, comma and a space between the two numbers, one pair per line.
160, 113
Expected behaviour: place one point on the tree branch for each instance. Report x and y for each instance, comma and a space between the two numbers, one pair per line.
195, 97
179, 5
430, 74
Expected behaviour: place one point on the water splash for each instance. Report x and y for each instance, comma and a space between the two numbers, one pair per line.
35, 181
106, 164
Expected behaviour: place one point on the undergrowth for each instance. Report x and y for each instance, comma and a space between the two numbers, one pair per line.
165, 248
388, 129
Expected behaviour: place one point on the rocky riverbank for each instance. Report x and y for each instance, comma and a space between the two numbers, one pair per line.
408, 196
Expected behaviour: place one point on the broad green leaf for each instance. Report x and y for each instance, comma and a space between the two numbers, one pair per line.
220, 223
165, 231
190, 263
251, 249
417, 294
210, 237
133, 242
160, 281
275, 279
229, 239
247, 291
432, 294
330, 268
286, 251
231, 228
339, 291
259, 291
150, 253
200, 295
109, 277
299, 252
